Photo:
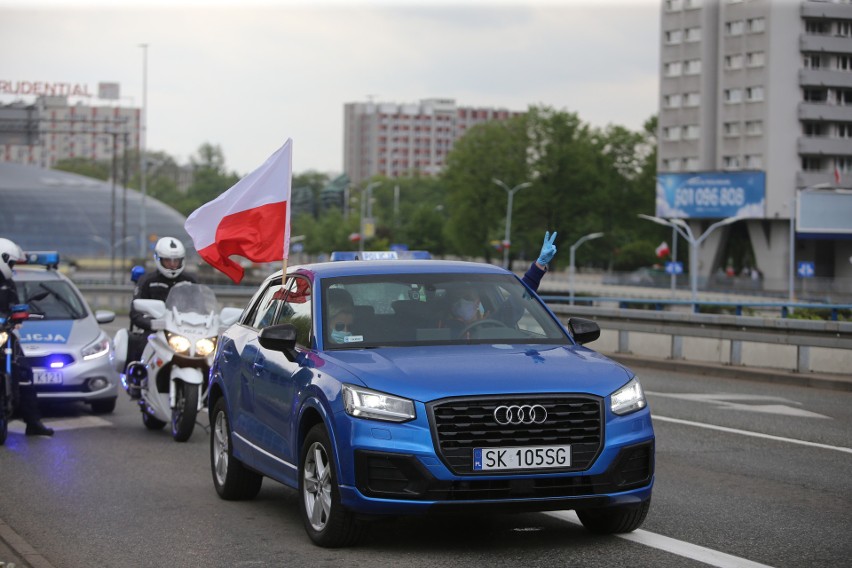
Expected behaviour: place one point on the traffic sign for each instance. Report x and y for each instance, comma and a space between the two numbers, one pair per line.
674, 267
806, 269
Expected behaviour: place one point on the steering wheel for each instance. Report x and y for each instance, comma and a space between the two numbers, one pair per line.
481, 323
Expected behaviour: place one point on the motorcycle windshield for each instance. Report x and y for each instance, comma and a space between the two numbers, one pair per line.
191, 298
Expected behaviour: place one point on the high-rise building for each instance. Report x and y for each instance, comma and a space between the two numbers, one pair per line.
755, 120
393, 139
51, 129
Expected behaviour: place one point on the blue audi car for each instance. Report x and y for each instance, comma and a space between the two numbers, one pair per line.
396, 387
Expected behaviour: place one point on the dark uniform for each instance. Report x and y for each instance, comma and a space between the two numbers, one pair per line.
152, 286
22, 374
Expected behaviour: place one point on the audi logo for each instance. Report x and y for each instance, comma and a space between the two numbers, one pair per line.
517, 415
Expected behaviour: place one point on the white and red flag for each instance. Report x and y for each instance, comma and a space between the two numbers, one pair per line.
836, 173
251, 219
662, 250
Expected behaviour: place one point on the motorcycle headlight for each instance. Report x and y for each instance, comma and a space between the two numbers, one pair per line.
3, 337
97, 349
628, 398
178, 343
366, 403
206, 346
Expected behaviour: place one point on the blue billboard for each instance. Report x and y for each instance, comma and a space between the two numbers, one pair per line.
711, 195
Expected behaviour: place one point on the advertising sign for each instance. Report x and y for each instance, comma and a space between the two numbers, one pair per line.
711, 195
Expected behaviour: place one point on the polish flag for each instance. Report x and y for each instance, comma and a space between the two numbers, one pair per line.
251, 219
836, 174
662, 250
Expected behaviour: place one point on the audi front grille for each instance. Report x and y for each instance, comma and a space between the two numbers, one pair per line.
461, 424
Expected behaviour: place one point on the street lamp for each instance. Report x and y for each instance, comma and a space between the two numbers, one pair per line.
366, 196
143, 228
571, 269
511, 193
694, 242
792, 268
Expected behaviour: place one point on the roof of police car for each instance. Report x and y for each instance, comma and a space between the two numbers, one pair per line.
361, 267
35, 273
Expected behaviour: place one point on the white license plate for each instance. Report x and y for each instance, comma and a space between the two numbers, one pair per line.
523, 457
47, 377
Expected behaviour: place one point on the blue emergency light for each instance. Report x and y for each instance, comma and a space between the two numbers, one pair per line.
46, 258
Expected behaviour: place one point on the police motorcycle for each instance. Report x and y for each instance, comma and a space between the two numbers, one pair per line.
170, 380
10, 359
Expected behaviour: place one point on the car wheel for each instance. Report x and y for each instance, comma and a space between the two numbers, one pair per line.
104, 406
152, 423
611, 520
185, 410
232, 480
326, 521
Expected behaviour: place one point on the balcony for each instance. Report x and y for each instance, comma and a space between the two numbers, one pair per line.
809, 179
825, 78
824, 43
825, 146
823, 111
825, 10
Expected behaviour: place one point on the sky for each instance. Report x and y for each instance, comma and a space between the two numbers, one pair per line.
247, 75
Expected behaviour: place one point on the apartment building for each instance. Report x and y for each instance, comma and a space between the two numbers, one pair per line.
755, 120
392, 139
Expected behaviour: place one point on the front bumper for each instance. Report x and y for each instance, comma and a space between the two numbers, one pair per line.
82, 381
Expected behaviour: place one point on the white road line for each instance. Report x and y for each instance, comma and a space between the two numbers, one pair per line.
753, 434
678, 547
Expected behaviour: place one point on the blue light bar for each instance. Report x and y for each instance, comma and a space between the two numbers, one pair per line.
46, 258
381, 255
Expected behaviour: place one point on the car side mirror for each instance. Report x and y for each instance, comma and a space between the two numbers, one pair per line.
584, 330
104, 316
280, 338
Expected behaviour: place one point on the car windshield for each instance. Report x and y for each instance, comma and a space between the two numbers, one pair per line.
192, 298
433, 309
54, 300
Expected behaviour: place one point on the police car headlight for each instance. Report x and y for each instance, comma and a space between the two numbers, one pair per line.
366, 403
206, 346
178, 343
97, 349
628, 398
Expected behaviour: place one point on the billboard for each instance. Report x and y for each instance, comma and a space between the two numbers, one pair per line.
827, 212
711, 195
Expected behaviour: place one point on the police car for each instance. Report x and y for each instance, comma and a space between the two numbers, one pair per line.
356, 383
71, 357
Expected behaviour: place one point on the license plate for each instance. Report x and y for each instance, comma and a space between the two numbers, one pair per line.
523, 457
47, 377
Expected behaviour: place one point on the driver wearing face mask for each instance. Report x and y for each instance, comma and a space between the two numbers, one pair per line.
341, 315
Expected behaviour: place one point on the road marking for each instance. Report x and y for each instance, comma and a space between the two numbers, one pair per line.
674, 546
728, 401
65, 424
753, 434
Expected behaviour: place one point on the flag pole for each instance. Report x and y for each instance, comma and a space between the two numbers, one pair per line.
284, 271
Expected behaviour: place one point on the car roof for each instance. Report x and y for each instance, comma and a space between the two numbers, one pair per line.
28, 274
364, 267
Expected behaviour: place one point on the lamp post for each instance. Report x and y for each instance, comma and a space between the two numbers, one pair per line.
571, 269
694, 242
511, 192
366, 209
792, 268
143, 223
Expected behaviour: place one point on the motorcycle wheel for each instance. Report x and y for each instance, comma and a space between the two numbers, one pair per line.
4, 417
152, 423
183, 414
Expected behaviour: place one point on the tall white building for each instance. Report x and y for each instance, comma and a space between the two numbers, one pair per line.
756, 110
393, 139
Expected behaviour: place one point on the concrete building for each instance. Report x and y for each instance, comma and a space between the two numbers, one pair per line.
393, 139
755, 120
50, 129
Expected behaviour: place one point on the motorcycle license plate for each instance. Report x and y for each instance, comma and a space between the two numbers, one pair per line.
47, 377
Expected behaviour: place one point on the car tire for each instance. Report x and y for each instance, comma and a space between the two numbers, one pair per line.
233, 481
327, 522
103, 406
152, 423
612, 520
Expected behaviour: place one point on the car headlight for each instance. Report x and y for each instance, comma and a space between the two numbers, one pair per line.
628, 398
206, 346
366, 403
97, 349
178, 343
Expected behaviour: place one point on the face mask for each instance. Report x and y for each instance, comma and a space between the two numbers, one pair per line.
465, 309
340, 336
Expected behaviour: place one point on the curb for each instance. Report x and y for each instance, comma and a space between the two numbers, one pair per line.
15, 551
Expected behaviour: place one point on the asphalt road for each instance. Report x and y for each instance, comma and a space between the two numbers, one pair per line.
748, 474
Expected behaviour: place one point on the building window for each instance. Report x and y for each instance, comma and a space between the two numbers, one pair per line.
673, 69
813, 129
844, 63
734, 28
733, 62
844, 130
756, 25
671, 101
731, 129
733, 96
690, 164
816, 27
811, 164
690, 132
754, 127
693, 67
691, 35
731, 162
671, 165
755, 59
671, 134
693, 4
754, 94
674, 37
753, 161
844, 29
813, 61
815, 95
672, 5
692, 100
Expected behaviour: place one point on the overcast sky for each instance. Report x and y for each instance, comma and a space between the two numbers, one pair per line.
248, 75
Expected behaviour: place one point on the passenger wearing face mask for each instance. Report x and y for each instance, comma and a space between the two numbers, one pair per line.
340, 315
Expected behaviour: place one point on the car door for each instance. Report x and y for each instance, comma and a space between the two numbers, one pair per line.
276, 377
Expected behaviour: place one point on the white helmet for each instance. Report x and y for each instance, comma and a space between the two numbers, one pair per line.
170, 255
10, 253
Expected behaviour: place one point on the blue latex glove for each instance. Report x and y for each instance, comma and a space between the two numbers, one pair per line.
548, 249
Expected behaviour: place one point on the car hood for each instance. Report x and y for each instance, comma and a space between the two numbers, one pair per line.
43, 336
431, 373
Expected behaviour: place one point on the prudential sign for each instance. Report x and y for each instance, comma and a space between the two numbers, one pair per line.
711, 195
